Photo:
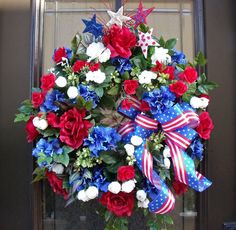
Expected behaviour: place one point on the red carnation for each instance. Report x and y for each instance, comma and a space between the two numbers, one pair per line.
179, 187
170, 71
79, 65
53, 120
158, 67
178, 88
126, 104
59, 54
206, 126
120, 204
30, 129
125, 173
120, 41
74, 128
130, 86
37, 99
56, 184
94, 67
144, 106
189, 75
48, 82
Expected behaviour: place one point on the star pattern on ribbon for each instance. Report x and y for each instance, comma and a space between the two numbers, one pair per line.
118, 17
141, 15
93, 27
146, 40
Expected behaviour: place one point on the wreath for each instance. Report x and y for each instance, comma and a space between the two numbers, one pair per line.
120, 118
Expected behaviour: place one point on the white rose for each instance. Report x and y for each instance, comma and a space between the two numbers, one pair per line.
128, 186
167, 163
92, 192
197, 102
143, 204
105, 56
42, 124
114, 187
146, 76
61, 82
166, 152
141, 195
129, 149
161, 55
136, 140
205, 102
58, 168
36, 121
72, 92
82, 196
96, 76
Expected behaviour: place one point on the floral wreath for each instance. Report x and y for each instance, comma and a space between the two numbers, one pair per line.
120, 118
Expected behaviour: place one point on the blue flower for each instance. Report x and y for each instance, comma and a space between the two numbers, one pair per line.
50, 99
99, 180
197, 149
159, 99
93, 27
122, 64
88, 95
178, 57
102, 138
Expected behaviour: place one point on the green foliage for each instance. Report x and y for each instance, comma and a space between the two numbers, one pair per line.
139, 61
49, 132
109, 157
62, 159
25, 110
115, 223
107, 102
43, 158
21, 117
200, 59
81, 103
99, 91
67, 149
170, 44
159, 222
204, 86
39, 174
113, 91
190, 92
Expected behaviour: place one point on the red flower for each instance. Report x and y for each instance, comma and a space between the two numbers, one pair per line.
31, 131
53, 120
189, 75
126, 104
125, 173
48, 82
119, 41
169, 70
206, 96
120, 204
178, 88
158, 67
130, 86
144, 107
206, 126
37, 99
74, 128
94, 67
79, 65
56, 184
179, 187
59, 54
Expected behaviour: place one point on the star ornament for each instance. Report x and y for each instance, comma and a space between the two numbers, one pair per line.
117, 18
141, 15
93, 27
146, 40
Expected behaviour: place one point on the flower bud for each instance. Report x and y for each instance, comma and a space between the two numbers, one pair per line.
136, 140
58, 168
141, 195
72, 92
82, 196
42, 124
114, 187
92, 192
129, 149
128, 186
61, 82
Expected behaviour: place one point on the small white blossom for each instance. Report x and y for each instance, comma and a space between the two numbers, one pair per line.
146, 77
143, 204
199, 102
57, 168
96, 76
161, 55
36, 121
61, 82
42, 124
136, 140
128, 186
92, 192
82, 196
166, 152
105, 56
72, 92
114, 187
129, 149
167, 163
141, 195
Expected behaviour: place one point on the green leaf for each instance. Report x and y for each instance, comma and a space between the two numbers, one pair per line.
162, 42
113, 91
108, 215
170, 44
89, 105
109, 70
21, 117
83, 57
109, 157
99, 91
202, 89
202, 78
191, 91
80, 102
107, 102
62, 159
50, 132
114, 167
67, 149
39, 174
168, 219
200, 59
43, 158
74, 44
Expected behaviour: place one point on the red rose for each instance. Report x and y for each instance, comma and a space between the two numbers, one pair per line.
169, 70
30, 129
189, 75
126, 104
74, 128
205, 127
48, 82
125, 173
120, 204
130, 86
79, 65
119, 41
178, 88
144, 106
179, 187
37, 99
59, 54
94, 67
158, 67
53, 120
56, 184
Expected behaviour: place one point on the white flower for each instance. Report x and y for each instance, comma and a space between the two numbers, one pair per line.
146, 76
92, 192
96, 76
129, 149
143, 204
72, 92
82, 196
114, 187
136, 140
36, 121
197, 102
42, 124
161, 55
205, 102
61, 82
166, 152
128, 186
98, 50
141, 195
167, 163
57, 168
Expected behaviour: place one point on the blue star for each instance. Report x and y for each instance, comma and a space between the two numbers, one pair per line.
93, 27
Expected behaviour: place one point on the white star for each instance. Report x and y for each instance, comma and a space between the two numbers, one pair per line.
117, 18
145, 40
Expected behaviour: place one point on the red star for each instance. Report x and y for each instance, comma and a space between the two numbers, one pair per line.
141, 15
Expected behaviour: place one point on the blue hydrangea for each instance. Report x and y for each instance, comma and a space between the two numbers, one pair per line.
122, 64
178, 57
99, 180
102, 138
88, 95
50, 99
197, 149
159, 99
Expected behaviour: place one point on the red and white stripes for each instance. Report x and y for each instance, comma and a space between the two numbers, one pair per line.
146, 122
147, 165
168, 206
126, 128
